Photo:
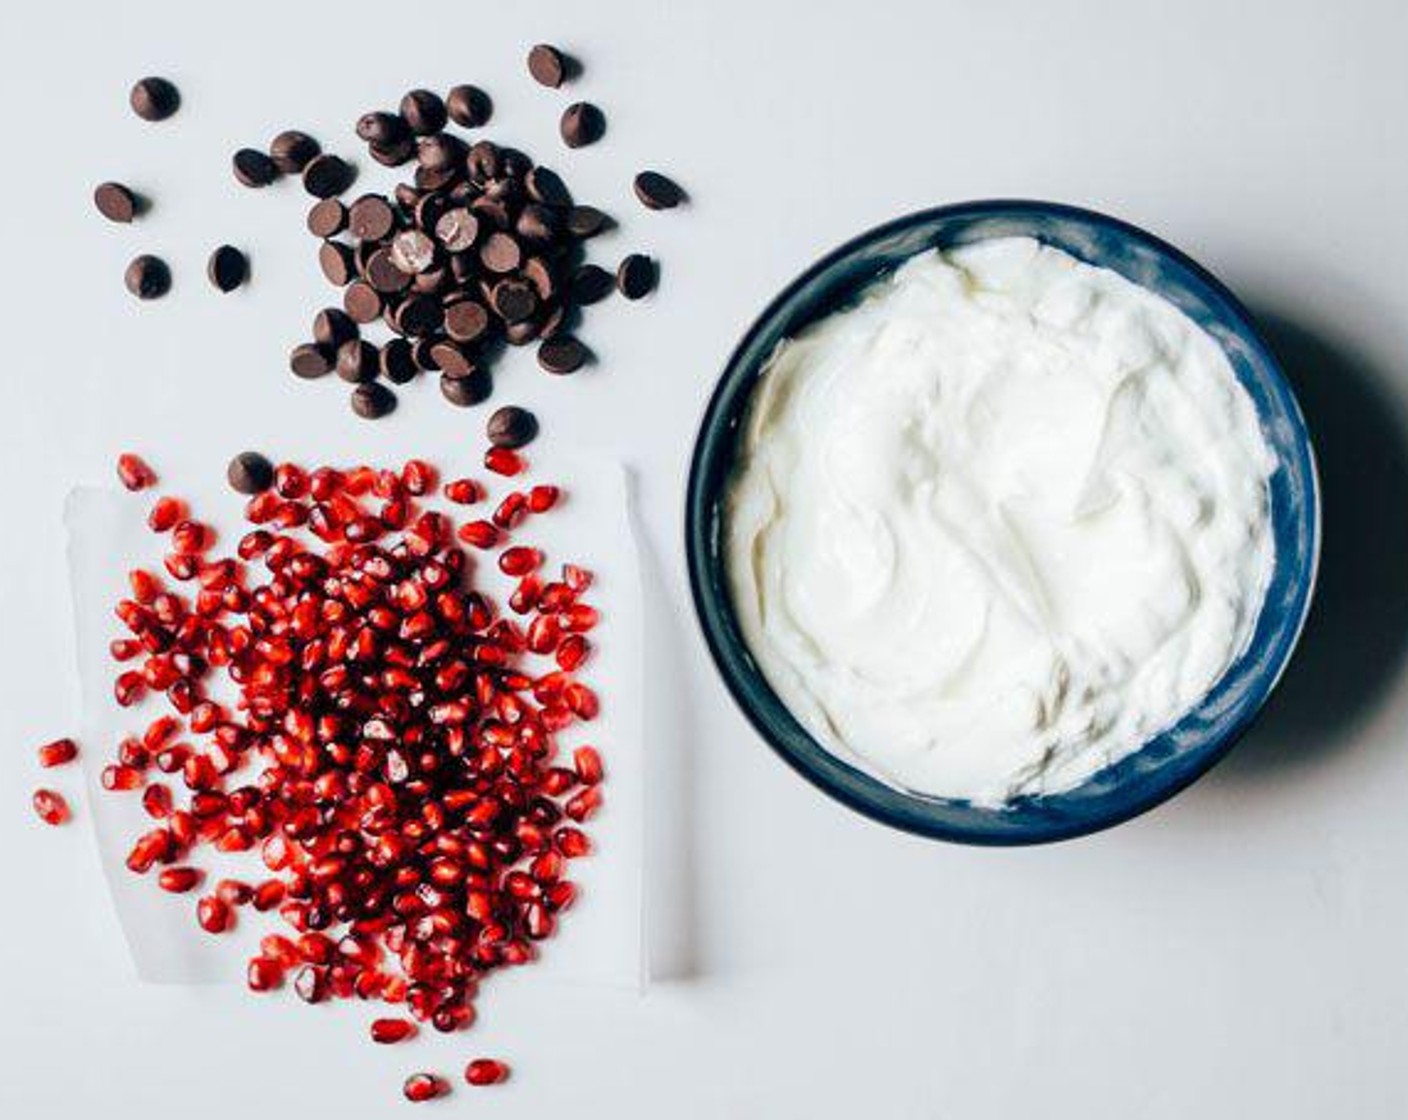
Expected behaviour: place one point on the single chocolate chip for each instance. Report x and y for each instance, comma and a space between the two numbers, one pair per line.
382, 128
464, 267
430, 281
148, 277
332, 327
292, 151
537, 223
423, 111
483, 162
522, 332
456, 229
586, 221
395, 154
373, 401
563, 354
406, 196
512, 427
250, 473
591, 283
490, 211
635, 277
548, 65
115, 202
435, 178
536, 272
362, 302
422, 353
466, 320
546, 186
398, 364
656, 192
310, 360
420, 315
357, 360
582, 124
427, 208
555, 323
154, 99
327, 175
469, 106
253, 168
500, 253
327, 218
412, 251
440, 152
383, 275
514, 300
370, 218
471, 389
227, 268
362, 254
335, 259
452, 358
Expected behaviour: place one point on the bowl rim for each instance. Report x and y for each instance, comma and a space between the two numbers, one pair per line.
697, 503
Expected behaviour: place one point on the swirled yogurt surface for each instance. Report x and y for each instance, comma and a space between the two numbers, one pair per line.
998, 523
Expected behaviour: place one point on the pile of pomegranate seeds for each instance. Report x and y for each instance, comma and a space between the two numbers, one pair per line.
390, 757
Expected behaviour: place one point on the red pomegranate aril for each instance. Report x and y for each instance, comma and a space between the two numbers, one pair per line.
133, 472
485, 1071
189, 537
57, 753
504, 461
480, 534
129, 688
559, 896
572, 652
156, 801
519, 560
263, 974
579, 617
543, 498
213, 914
510, 511
118, 777
392, 1030
587, 761
50, 806
310, 984
165, 513
280, 950
233, 892
572, 842
145, 586
463, 491
424, 1087
124, 649
178, 880
418, 477
584, 804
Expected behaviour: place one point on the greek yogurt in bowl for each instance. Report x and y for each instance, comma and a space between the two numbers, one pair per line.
998, 522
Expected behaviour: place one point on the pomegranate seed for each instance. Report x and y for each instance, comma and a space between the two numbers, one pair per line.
584, 804
485, 1071
510, 511
572, 842
418, 477
263, 974
156, 801
133, 472
502, 460
543, 498
572, 651
392, 1030
578, 579
463, 491
51, 806
165, 513
120, 777
310, 984
268, 894
178, 880
213, 914
424, 1087
588, 764
579, 617
582, 700
280, 950
124, 649
233, 892
57, 753
519, 560
480, 534
189, 537
129, 688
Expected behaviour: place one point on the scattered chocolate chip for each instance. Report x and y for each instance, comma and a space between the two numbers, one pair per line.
537, 223
327, 175
656, 192
148, 277
582, 124
328, 218
537, 273
394, 154
512, 427
412, 251
500, 253
383, 275
335, 259
292, 151
423, 111
373, 401
483, 162
227, 268
563, 354
548, 65
310, 360
422, 353
420, 315
456, 229
253, 168
591, 283
332, 327
471, 389
370, 218
357, 360
385, 129
398, 364
250, 473
452, 359
466, 320
154, 99
362, 302
440, 152
514, 300
636, 276
586, 221
469, 106
546, 186
115, 202
430, 281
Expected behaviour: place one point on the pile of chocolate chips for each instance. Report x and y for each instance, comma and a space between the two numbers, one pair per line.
482, 248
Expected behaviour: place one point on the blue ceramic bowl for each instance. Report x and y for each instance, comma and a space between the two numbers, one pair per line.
1169, 761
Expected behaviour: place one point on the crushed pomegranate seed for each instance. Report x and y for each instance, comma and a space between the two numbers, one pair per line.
133, 472
57, 753
485, 1071
424, 1087
392, 1030
51, 806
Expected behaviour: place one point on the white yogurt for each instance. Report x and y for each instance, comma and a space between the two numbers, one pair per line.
997, 524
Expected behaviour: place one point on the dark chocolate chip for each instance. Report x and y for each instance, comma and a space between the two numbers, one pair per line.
656, 192
428, 208
420, 315
582, 124
328, 175
373, 401
395, 154
452, 358
357, 360
327, 218
253, 168
332, 327
311, 360
469, 106
384, 129
154, 99
500, 253
362, 302
546, 186
636, 276
483, 161
456, 229
398, 364
335, 259
383, 275
537, 273
471, 389
430, 281
115, 202
586, 221
514, 300
440, 152
422, 353
591, 283
292, 151
512, 427
250, 473
563, 354
466, 320
548, 65
227, 268
370, 218
522, 332
412, 251
423, 111
148, 277
435, 178
537, 223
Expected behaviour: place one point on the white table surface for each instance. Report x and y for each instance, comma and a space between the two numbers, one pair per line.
1237, 953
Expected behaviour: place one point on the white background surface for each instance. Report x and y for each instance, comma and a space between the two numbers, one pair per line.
1236, 953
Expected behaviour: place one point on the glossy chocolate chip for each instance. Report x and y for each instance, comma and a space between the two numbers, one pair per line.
250, 473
